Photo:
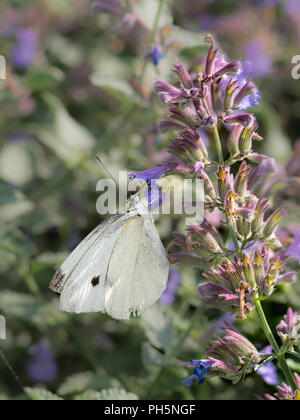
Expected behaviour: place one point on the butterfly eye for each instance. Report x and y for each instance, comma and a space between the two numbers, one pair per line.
95, 281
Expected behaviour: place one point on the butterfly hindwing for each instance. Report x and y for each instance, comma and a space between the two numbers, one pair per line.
138, 270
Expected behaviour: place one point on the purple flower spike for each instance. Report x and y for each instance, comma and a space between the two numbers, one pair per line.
233, 356
168, 296
43, 367
285, 392
288, 329
24, 52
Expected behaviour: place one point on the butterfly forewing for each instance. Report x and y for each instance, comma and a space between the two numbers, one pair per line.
83, 290
63, 273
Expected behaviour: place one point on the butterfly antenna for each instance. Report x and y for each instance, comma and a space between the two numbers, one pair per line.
11, 369
102, 164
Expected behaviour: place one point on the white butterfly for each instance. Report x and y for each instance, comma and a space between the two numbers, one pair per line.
120, 268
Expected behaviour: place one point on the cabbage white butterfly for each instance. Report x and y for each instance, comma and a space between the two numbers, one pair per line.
120, 268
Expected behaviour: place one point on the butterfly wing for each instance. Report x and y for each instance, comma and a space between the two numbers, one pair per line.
138, 269
81, 278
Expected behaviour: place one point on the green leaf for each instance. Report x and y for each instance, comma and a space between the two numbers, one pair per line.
22, 160
14, 155
159, 327
67, 52
107, 394
43, 79
13, 203
151, 357
40, 394
23, 306
86, 380
69, 140
15, 242
119, 88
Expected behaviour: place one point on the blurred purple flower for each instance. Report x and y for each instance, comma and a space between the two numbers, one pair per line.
24, 52
108, 6
261, 63
270, 2
294, 250
168, 296
43, 367
268, 371
206, 22
292, 6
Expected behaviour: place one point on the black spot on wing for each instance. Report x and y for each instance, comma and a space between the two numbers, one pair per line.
57, 281
95, 281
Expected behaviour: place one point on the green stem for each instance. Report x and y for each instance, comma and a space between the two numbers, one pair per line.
152, 36
218, 144
280, 356
175, 351
156, 21
233, 235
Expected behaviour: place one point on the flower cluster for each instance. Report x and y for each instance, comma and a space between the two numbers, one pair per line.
285, 392
241, 270
289, 329
232, 285
230, 357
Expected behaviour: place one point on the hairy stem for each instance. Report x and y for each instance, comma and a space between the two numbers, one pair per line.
233, 235
280, 356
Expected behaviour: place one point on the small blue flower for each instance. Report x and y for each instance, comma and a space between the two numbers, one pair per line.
201, 370
156, 54
24, 52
